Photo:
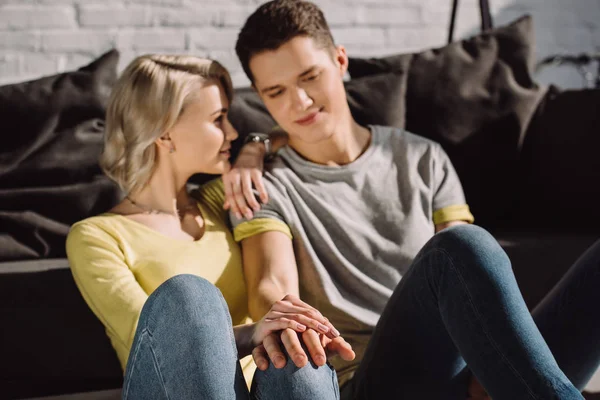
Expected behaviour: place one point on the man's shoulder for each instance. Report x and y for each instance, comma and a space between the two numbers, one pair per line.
403, 141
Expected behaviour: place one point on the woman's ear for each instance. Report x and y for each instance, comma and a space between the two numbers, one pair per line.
166, 143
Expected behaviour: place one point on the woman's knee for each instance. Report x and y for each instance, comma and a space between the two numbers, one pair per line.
292, 382
184, 296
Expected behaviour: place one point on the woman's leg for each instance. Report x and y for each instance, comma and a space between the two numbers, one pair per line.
293, 383
458, 302
184, 346
568, 318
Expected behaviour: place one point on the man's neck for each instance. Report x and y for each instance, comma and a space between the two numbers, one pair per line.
345, 145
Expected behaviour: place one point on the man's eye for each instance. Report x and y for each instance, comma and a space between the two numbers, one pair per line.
312, 77
275, 94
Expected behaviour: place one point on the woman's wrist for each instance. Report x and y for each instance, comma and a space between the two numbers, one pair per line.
243, 339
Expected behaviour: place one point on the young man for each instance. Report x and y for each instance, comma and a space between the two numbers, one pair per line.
370, 226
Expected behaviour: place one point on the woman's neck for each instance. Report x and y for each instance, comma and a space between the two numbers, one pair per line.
163, 193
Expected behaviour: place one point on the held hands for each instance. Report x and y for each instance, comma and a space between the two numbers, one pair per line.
247, 170
287, 321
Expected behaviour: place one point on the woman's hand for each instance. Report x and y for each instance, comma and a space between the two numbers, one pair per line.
289, 322
246, 171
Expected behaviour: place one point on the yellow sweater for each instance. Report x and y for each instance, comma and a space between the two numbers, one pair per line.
117, 263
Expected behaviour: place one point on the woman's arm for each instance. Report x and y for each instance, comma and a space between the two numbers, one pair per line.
247, 172
106, 283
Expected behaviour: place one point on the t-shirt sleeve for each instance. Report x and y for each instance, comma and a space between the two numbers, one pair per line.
272, 216
449, 202
106, 282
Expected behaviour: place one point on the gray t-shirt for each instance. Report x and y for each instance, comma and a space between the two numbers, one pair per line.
356, 228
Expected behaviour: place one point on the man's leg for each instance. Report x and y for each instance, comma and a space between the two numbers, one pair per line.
459, 302
568, 318
184, 346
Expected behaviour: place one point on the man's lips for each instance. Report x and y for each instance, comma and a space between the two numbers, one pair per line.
308, 119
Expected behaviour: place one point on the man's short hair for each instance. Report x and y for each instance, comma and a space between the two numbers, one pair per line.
277, 22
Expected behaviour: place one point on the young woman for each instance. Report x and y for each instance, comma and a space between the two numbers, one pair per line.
161, 269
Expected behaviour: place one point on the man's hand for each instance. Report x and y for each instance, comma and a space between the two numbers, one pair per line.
286, 319
320, 346
248, 170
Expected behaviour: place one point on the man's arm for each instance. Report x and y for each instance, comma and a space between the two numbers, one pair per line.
448, 224
270, 270
271, 274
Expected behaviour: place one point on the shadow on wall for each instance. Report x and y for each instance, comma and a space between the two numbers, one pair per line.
561, 28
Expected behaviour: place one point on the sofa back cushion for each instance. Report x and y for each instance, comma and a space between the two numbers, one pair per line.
475, 97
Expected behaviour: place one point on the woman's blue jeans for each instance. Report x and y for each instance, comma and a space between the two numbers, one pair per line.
460, 305
184, 349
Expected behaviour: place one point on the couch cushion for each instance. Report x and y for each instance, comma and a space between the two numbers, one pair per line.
560, 164
476, 97
49, 173
51, 343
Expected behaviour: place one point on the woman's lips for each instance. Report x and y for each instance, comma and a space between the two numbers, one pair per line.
225, 153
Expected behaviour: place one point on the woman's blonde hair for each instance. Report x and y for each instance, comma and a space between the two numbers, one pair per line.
144, 104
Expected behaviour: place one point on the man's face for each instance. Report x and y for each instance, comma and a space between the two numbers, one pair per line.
302, 87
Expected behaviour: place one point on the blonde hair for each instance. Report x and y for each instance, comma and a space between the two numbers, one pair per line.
145, 103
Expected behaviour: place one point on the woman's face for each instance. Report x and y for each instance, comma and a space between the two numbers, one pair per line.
202, 135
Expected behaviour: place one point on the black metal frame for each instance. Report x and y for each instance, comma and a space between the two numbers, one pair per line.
484, 12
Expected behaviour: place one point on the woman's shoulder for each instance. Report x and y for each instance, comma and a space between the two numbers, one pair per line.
99, 226
211, 194
212, 190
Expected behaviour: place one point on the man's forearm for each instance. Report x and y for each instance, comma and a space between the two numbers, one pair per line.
266, 294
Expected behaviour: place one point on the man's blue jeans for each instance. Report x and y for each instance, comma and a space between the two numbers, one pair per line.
184, 349
460, 305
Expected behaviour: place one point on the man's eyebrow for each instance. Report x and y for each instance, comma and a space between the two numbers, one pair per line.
302, 75
219, 111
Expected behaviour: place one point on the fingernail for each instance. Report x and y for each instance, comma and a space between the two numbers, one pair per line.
319, 360
279, 361
301, 327
336, 332
249, 215
323, 328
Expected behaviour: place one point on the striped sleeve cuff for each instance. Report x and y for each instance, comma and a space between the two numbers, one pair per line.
458, 212
260, 225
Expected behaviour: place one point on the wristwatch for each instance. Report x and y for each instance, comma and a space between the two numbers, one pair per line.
260, 138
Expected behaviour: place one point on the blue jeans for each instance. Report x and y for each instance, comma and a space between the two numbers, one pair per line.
184, 348
458, 305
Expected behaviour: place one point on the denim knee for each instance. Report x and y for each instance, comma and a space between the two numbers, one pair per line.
291, 382
468, 241
183, 297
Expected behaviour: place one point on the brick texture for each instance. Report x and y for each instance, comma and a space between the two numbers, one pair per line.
40, 37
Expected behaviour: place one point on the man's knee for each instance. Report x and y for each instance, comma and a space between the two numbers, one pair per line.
471, 244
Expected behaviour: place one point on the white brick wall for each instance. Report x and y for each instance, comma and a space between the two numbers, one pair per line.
40, 37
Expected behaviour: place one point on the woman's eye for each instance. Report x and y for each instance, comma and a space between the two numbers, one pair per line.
219, 120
